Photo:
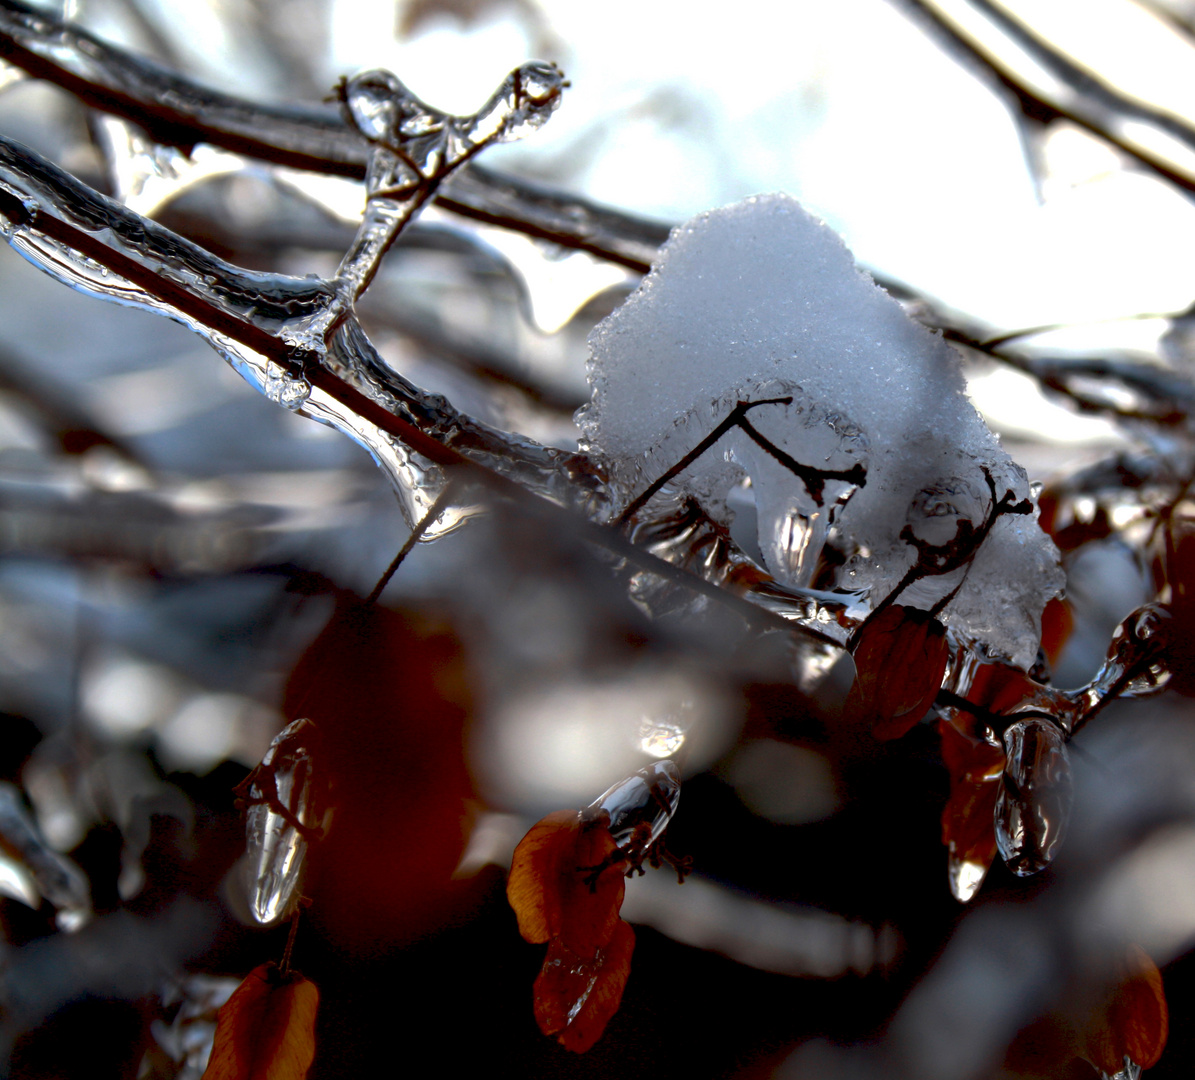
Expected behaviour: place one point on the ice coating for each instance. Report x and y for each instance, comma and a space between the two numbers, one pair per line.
286, 781
1033, 807
641, 806
33, 869
761, 301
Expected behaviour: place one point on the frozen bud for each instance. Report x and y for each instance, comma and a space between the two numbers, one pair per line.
378, 104
640, 806
286, 796
1034, 801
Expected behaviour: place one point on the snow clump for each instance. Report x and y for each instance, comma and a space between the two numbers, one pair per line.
761, 301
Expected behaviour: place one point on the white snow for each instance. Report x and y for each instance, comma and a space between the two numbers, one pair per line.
759, 300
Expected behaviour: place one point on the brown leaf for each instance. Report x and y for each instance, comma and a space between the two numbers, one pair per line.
266, 1030
900, 657
576, 997
553, 888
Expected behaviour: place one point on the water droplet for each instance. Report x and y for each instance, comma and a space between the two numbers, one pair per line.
648, 799
662, 737
284, 389
277, 850
1033, 806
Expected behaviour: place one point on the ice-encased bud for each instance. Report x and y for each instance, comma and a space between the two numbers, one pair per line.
378, 102
287, 779
30, 861
1033, 806
644, 801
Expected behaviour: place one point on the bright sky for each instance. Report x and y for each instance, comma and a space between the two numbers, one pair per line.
850, 107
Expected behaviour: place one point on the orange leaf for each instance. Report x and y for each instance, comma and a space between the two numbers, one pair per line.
1135, 1020
575, 997
536, 904
266, 1030
550, 884
900, 658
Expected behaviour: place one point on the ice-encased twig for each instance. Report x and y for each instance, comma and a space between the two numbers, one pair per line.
176, 111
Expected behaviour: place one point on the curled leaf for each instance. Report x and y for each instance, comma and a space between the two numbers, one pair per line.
575, 998
900, 658
266, 1030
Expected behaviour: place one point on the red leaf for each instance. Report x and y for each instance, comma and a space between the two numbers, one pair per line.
900, 658
1134, 1021
1000, 688
576, 997
266, 1030
551, 885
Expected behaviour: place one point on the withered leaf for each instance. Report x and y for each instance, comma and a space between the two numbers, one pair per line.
266, 1030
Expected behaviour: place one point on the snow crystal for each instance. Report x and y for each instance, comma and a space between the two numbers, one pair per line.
760, 301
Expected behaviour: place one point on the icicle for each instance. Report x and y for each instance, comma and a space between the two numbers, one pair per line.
640, 806
146, 175
287, 806
36, 869
1033, 806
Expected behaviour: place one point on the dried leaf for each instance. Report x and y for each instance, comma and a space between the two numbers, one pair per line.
266, 1030
575, 998
900, 658
554, 886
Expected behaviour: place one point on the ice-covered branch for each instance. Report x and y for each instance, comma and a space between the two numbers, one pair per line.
176, 111
1077, 95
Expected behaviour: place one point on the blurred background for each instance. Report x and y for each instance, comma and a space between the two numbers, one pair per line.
181, 561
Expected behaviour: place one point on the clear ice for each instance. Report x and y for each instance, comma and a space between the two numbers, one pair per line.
646, 799
29, 860
760, 301
1033, 806
276, 849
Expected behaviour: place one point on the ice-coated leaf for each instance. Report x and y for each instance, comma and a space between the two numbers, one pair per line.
760, 301
1132, 1028
1033, 807
900, 657
575, 998
968, 829
266, 1030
